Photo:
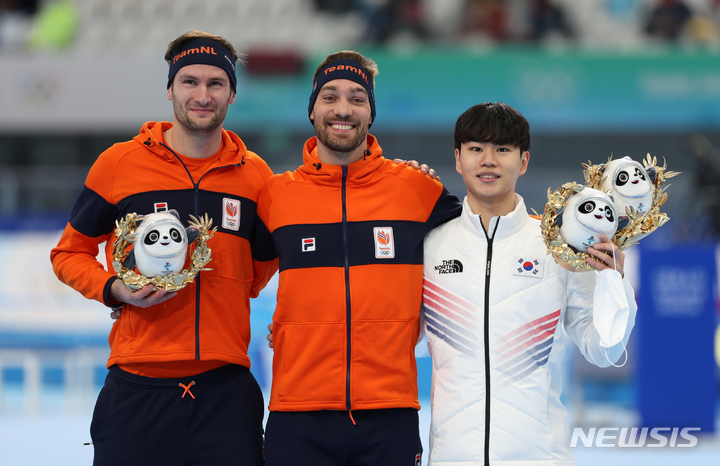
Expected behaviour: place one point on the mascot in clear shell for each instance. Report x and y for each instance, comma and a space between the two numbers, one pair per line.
576, 215
630, 184
160, 245
588, 214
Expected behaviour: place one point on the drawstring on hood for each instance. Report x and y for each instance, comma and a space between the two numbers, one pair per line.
151, 137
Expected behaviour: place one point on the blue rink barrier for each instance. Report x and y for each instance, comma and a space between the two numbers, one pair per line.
676, 373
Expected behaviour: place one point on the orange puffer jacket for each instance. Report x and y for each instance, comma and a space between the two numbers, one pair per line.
208, 319
350, 243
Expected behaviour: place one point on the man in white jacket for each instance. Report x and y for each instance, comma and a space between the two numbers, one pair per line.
498, 308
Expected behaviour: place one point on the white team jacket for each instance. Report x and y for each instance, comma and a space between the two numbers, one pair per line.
508, 343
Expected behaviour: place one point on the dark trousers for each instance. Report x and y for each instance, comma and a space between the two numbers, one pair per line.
147, 421
380, 437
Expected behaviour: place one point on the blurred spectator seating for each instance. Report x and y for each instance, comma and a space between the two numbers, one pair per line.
548, 19
147, 26
387, 20
486, 19
15, 23
144, 27
668, 19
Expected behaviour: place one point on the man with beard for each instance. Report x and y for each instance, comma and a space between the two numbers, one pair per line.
179, 389
348, 227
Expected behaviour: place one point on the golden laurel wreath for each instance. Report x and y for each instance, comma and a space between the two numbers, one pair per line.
125, 233
640, 225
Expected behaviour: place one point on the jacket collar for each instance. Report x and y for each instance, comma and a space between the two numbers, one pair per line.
502, 226
358, 173
151, 137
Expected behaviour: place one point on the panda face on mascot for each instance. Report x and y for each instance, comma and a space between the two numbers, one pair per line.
629, 184
160, 245
588, 214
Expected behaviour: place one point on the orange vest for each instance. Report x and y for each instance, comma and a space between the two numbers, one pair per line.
350, 243
208, 320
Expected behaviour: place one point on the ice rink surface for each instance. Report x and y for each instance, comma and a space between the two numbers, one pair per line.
58, 440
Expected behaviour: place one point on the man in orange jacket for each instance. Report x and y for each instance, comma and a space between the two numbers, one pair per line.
348, 226
179, 390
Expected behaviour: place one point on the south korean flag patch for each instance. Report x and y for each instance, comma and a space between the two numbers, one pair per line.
527, 267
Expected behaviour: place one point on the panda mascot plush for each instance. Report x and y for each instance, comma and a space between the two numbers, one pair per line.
160, 245
629, 184
588, 214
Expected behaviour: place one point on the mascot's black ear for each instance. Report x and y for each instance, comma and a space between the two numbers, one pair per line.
129, 260
192, 233
652, 173
623, 221
558, 219
175, 213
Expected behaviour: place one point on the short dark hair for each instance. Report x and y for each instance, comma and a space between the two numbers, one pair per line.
493, 122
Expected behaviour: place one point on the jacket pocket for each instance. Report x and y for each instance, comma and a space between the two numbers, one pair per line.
383, 361
310, 364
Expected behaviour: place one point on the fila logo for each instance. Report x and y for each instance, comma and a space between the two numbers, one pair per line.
161, 207
308, 244
384, 242
231, 214
449, 266
528, 267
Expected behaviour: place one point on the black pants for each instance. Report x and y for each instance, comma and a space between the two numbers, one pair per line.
380, 437
147, 421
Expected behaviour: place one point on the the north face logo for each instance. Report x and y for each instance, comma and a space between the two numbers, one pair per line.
449, 266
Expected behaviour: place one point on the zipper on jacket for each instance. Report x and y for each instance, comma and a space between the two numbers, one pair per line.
196, 209
196, 212
486, 336
346, 259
